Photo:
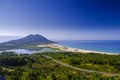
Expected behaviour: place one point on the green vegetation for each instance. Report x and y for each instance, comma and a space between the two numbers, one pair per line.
32, 47
90, 61
8, 54
37, 67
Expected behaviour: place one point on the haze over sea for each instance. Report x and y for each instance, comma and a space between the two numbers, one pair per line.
109, 46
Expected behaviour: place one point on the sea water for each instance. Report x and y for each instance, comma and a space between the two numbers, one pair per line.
109, 46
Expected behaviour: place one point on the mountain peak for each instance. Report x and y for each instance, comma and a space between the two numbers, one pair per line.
31, 39
35, 35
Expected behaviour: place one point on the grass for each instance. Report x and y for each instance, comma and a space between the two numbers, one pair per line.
98, 62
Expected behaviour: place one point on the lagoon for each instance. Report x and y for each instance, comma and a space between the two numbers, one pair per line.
29, 51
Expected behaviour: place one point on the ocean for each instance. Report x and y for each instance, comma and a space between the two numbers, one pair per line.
108, 46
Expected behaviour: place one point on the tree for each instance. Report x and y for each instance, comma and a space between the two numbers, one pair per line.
30, 75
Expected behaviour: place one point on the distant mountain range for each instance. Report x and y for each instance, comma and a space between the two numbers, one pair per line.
5, 38
25, 41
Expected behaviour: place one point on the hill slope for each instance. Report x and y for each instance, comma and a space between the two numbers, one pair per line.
28, 40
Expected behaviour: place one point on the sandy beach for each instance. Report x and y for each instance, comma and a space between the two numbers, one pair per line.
69, 49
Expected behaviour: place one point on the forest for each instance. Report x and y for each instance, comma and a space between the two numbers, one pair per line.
37, 67
92, 61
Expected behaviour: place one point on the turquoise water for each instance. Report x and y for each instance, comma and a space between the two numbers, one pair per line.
110, 46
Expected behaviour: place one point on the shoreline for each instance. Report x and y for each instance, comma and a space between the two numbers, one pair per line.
70, 49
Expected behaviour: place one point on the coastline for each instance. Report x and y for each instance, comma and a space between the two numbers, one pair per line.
70, 49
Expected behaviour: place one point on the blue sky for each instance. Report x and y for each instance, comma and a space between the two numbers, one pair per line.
61, 19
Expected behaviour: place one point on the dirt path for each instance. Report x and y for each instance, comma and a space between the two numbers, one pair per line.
76, 68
